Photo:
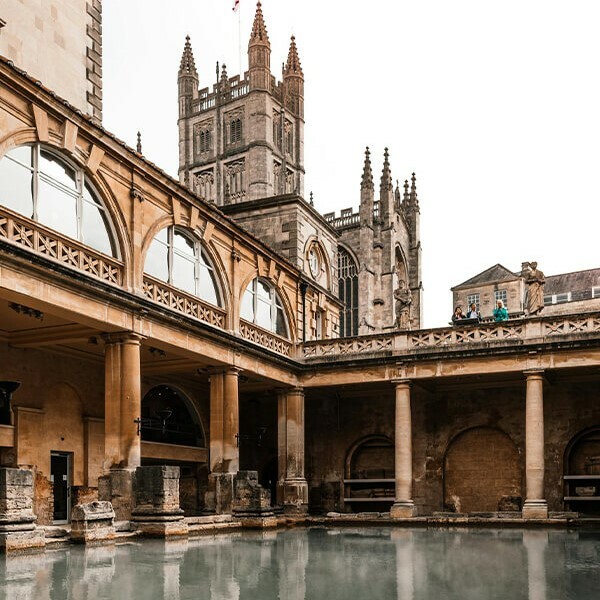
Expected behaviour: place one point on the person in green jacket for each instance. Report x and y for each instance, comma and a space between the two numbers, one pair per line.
500, 313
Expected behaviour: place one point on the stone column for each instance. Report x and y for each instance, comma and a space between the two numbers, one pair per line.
122, 406
403, 506
224, 447
294, 489
535, 506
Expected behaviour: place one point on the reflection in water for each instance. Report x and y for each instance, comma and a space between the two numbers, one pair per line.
320, 564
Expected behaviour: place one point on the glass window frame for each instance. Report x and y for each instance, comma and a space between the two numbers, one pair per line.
274, 302
201, 262
77, 194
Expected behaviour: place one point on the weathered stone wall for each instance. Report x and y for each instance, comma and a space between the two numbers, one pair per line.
489, 424
59, 43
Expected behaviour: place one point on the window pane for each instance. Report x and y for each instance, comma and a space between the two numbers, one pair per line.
15, 187
183, 275
208, 288
94, 228
157, 260
280, 325
57, 171
162, 236
264, 291
247, 309
56, 209
183, 244
263, 314
21, 154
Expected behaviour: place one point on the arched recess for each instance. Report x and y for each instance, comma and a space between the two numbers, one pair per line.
290, 315
170, 417
401, 265
92, 191
582, 471
371, 457
162, 234
318, 262
348, 268
482, 472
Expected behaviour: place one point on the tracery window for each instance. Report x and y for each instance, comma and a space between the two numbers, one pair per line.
39, 184
178, 258
262, 305
348, 292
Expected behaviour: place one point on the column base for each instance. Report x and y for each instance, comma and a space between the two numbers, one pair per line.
403, 509
16, 541
295, 496
117, 487
219, 498
535, 509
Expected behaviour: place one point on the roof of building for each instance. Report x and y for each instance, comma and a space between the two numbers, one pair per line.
494, 274
572, 282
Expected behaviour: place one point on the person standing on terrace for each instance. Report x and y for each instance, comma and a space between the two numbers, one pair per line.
500, 312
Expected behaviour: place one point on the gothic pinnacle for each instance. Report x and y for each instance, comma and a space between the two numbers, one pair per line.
367, 176
386, 176
293, 66
138, 146
259, 30
413, 189
406, 196
187, 65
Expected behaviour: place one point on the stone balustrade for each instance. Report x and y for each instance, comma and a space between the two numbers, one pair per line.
508, 333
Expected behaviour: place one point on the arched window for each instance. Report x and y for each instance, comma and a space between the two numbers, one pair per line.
177, 258
37, 183
262, 305
348, 291
167, 419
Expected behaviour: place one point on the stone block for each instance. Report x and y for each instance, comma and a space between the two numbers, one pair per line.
17, 541
219, 497
157, 491
402, 510
93, 522
535, 509
117, 488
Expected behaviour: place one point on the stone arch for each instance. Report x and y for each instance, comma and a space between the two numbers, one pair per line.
222, 283
117, 224
482, 472
290, 315
169, 416
370, 457
582, 458
314, 242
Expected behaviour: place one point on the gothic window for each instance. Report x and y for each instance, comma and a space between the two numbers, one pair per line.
39, 184
167, 418
348, 291
289, 139
235, 131
277, 129
235, 183
177, 258
262, 305
204, 184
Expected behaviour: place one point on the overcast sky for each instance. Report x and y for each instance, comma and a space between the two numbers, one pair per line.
495, 106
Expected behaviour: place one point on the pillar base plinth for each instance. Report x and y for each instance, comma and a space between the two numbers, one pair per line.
295, 496
535, 509
404, 509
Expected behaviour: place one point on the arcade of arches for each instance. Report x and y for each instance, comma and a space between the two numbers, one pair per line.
172, 336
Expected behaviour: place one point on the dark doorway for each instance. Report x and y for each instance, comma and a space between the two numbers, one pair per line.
60, 475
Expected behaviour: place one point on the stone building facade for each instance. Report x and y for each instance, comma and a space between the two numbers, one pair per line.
241, 146
140, 325
60, 44
563, 293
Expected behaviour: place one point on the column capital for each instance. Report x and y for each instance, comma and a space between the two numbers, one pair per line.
224, 370
122, 337
401, 382
534, 374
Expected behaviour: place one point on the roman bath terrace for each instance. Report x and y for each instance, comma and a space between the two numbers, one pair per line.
138, 402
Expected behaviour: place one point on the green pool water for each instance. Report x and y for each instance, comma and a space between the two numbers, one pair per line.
320, 564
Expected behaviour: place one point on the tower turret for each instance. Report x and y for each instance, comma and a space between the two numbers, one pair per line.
187, 79
293, 81
259, 54
386, 191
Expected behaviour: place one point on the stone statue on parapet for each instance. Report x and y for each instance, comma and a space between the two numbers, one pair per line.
403, 298
535, 289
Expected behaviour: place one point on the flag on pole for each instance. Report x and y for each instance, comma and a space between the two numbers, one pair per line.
236, 5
